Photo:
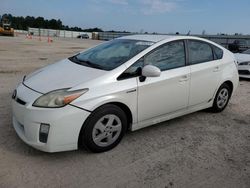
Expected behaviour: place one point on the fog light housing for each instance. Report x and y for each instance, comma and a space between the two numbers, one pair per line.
44, 132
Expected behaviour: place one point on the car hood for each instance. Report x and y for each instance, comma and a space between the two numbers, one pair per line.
64, 74
242, 57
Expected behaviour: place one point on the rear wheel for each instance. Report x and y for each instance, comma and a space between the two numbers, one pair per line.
222, 98
104, 129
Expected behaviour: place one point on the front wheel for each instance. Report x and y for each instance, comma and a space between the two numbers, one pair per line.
104, 129
222, 98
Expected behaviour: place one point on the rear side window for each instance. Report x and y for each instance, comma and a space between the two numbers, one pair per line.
218, 53
168, 56
199, 52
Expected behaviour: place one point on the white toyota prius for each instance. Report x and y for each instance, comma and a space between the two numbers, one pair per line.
94, 97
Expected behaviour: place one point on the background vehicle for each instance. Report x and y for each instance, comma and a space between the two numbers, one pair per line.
94, 97
239, 46
5, 28
83, 36
243, 60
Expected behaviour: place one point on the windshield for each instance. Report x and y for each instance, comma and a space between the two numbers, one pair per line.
246, 52
110, 55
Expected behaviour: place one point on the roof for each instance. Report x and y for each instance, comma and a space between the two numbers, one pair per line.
157, 38
151, 38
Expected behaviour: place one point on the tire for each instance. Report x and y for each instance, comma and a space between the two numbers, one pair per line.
222, 98
104, 129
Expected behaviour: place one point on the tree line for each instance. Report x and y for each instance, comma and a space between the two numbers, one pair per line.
23, 23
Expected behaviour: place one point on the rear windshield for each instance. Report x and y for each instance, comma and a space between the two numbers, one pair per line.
110, 55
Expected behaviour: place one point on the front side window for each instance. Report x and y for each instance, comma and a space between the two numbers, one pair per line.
199, 52
168, 56
111, 54
133, 71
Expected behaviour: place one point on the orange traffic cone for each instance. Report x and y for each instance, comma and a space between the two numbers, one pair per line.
28, 36
49, 40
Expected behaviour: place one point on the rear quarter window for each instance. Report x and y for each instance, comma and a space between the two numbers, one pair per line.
218, 53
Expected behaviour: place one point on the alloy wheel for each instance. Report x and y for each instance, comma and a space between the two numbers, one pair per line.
107, 130
222, 98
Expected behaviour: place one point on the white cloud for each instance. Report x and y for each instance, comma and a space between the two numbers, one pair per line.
146, 7
157, 6
119, 2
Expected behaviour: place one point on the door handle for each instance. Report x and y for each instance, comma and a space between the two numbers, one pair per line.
216, 69
184, 78
131, 91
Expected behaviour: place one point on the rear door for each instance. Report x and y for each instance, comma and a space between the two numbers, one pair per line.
205, 72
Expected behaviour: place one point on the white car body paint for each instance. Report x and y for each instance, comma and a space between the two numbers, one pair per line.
68, 76
189, 89
243, 58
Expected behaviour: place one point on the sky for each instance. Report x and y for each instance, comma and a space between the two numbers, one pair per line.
161, 16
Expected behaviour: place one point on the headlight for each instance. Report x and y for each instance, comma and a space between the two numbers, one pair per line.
244, 63
58, 98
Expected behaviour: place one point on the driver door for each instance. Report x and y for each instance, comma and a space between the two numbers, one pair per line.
168, 93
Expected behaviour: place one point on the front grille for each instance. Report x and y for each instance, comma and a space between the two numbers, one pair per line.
20, 101
244, 72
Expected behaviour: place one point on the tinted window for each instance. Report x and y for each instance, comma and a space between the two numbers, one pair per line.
218, 53
169, 56
133, 71
199, 52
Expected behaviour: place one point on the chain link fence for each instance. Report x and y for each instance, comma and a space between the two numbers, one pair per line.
56, 33
224, 40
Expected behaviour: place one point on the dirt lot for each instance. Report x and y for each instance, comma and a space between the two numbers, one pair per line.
197, 150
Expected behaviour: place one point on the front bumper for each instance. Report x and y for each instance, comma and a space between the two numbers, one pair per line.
244, 71
65, 123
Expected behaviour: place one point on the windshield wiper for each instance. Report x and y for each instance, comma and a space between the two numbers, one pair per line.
91, 64
86, 62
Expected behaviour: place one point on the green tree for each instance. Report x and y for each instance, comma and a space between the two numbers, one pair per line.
19, 22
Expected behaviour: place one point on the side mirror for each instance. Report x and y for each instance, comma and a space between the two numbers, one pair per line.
151, 71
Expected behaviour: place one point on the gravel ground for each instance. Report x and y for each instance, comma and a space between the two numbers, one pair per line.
197, 150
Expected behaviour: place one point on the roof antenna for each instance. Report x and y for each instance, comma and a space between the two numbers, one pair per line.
188, 33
